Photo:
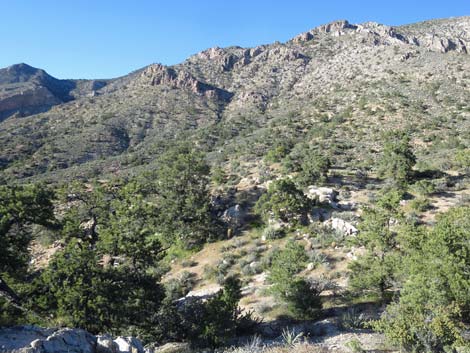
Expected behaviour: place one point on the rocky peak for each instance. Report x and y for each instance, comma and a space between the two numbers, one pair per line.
157, 74
227, 59
335, 28
20, 73
438, 36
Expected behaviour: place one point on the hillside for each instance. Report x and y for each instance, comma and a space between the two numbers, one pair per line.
25, 90
338, 84
311, 195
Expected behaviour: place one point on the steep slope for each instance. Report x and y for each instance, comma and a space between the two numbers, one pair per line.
338, 86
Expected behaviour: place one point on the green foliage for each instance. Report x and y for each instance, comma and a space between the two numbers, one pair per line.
355, 346
78, 290
285, 264
276, 154
435, 295
301, 296
182, 197
218, 176
424, 187
291, 338
72, 287
107, 277
422, 329
131, 229
352, 319
21, 207
397, 161
314, 169
283, 201
208, 323
462, 159
310, 164
420, 204
376, 270
271, 233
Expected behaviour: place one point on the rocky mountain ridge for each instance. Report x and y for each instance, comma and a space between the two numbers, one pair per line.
216, 97
25, 90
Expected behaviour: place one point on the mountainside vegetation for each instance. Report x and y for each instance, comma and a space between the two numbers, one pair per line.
293, 191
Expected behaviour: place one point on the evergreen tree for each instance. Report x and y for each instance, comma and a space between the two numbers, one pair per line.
435, 298
397, 161
182, 197
283, 201
21, 207
377, 269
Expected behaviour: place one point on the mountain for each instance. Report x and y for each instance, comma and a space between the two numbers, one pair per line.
338, 86
25, 90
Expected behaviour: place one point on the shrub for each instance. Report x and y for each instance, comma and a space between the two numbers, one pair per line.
397, 160
352, 319
283, 201
271, 233
313, 169
424, 187
301, 296
420, 204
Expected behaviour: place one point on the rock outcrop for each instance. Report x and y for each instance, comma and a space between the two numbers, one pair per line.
434, 38
32, 339
158, 74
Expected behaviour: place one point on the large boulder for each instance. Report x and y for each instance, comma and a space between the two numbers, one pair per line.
68, 340
31, 339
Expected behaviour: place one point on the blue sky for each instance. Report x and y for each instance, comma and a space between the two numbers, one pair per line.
109, 38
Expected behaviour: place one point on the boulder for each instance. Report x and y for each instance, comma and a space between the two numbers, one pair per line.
233, 216
31, 339
170, 348
69, 340
106, 344
128, 345
343, 226
322, 194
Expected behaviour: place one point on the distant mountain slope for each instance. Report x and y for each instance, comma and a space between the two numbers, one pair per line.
25, 90
338, 86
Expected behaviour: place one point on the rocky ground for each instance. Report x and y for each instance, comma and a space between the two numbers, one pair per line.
323, 335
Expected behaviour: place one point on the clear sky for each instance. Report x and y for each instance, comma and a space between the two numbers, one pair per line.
109, 38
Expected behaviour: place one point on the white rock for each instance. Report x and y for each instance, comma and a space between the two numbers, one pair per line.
68, 340
343, 226
105, 344
322, 194
129, 345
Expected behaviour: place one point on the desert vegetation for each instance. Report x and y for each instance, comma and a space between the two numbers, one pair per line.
303, 196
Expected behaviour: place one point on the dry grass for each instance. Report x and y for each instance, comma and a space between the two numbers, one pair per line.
298, 348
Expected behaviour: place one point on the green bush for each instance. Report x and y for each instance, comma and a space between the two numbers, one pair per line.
420, 204
397, 160
271, 233
434, 299
301, 296
283, 201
